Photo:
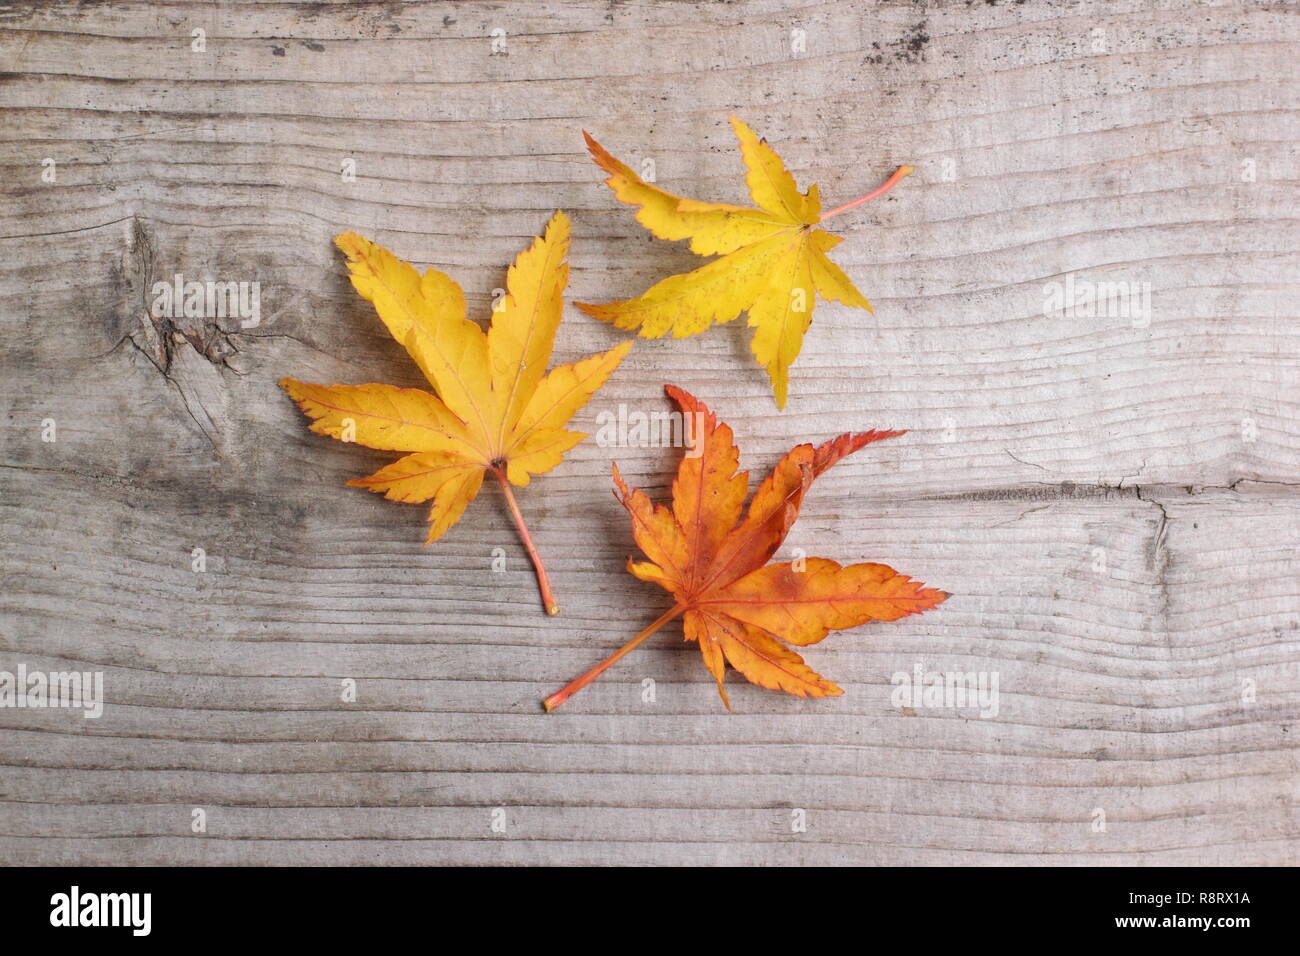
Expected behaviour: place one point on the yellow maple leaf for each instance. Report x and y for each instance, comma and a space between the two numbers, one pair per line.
773, 261
497, 410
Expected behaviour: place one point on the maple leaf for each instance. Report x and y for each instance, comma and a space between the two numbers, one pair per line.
497, 410
773, 261
741, 610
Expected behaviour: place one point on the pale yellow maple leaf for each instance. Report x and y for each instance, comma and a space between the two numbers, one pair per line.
773, 260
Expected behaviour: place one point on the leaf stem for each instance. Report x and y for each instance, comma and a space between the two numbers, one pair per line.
543, 582
889, 184
571, 688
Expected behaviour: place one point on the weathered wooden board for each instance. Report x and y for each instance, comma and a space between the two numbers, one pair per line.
1112, 499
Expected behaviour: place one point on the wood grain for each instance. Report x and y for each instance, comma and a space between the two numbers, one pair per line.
1113, 504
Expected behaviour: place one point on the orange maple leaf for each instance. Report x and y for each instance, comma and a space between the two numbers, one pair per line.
497, 410
735, 605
